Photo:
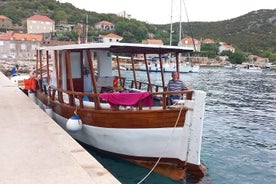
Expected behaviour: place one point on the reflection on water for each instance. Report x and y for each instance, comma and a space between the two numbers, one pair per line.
239, 137
239, 133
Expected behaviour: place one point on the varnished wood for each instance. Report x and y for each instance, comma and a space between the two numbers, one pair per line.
47, 66
168, 170
122, 118
133, 70
148, 75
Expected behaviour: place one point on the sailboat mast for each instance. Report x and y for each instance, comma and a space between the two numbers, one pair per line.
180, 24
86, 31
171, 31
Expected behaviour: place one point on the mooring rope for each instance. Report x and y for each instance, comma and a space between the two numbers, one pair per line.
169, 140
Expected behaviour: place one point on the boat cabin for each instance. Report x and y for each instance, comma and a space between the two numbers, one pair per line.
87, 69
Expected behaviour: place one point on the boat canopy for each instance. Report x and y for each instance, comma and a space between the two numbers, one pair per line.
124, 48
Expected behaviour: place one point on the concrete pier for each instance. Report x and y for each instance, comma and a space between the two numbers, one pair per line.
34, 149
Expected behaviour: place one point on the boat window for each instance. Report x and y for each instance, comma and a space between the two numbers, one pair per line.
75, 64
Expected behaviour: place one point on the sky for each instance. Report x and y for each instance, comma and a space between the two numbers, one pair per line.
159, 11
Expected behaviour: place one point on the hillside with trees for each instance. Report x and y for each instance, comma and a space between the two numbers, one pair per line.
253, 33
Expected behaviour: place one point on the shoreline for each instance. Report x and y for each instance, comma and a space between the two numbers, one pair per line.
26, 66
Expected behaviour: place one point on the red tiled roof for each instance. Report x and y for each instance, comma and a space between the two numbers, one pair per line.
40, 18
3, 17
28, 37
154, 41
104, 23
208, 40
6, 36
229, 46
112, 35
189, 40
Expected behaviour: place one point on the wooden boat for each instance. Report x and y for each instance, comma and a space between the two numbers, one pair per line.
101, 110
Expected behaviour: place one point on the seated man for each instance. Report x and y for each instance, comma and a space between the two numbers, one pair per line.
175, 84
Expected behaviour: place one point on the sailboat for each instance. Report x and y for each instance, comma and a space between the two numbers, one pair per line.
169, 64
188, 66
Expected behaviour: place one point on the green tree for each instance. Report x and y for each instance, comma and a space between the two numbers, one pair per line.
128, 37
237, 57
131, 30
209, 49
60, 16
270, 54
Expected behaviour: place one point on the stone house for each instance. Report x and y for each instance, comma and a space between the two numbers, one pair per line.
5, 22
20, 46
105, 26
225, 47
191, 43
40, 24
259, 61
111, 37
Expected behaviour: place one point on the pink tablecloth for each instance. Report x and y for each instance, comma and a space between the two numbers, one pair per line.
127, 99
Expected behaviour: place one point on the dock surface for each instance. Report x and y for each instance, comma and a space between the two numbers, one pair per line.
35, 149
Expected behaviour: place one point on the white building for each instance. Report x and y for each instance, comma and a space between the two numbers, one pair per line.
225, 47
105, 25
40, 24
111, 37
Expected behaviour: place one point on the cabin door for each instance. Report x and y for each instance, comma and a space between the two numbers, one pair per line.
76, 68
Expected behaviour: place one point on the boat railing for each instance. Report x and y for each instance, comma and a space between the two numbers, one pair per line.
146, 86
163, 96
72, 98
82, 99
154, 88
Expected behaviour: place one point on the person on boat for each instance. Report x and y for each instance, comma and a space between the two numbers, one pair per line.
175, 84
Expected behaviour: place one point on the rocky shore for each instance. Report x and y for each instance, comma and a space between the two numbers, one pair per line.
21, 66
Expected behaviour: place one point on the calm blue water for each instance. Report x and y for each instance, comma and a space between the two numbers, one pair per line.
239, 137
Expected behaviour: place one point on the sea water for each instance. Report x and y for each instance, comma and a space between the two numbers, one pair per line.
239, 136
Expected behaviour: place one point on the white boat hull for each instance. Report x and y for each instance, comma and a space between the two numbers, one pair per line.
250, 70
182, 143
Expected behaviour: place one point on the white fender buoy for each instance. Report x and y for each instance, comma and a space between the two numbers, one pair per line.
74, 124
49, 110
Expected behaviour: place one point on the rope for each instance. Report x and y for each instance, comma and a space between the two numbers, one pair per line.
189, 143
75, 111
169, 140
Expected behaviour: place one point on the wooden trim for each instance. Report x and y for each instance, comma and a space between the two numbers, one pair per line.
133, 70
147, 70
47, 65
90, 62
69, 71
